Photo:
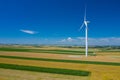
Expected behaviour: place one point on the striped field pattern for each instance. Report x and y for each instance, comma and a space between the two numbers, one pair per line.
106, 70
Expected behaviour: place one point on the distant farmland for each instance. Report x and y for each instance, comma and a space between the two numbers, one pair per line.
73, 52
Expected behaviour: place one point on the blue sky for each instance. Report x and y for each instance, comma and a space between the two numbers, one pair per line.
58, 21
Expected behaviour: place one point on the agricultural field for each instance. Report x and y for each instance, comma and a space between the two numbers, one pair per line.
59, 63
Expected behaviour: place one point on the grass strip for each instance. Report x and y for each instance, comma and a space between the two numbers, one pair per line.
44, 69
46, 51
60, 60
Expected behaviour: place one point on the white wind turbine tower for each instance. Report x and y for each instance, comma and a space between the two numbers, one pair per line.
85, 24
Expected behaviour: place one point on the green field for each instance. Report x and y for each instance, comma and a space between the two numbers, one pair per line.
43, 69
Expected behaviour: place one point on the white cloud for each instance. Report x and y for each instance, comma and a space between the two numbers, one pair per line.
63, 40
28, 31
92, 41
66, 41
69, 39
104, 41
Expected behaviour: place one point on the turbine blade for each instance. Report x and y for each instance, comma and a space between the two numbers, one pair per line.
81, 26
85, 14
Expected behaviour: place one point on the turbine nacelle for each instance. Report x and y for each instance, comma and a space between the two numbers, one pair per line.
86, 23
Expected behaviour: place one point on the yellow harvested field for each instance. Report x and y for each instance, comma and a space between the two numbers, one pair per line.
105, 72
109, 53
115, 58
28, 75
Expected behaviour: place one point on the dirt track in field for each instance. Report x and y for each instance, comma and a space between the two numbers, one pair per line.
108, 58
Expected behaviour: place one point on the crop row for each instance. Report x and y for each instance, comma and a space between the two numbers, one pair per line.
47, 70
66, 61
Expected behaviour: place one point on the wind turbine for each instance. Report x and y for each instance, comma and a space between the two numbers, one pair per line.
85, 24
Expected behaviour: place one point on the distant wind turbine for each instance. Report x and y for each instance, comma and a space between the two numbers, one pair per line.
85, 24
